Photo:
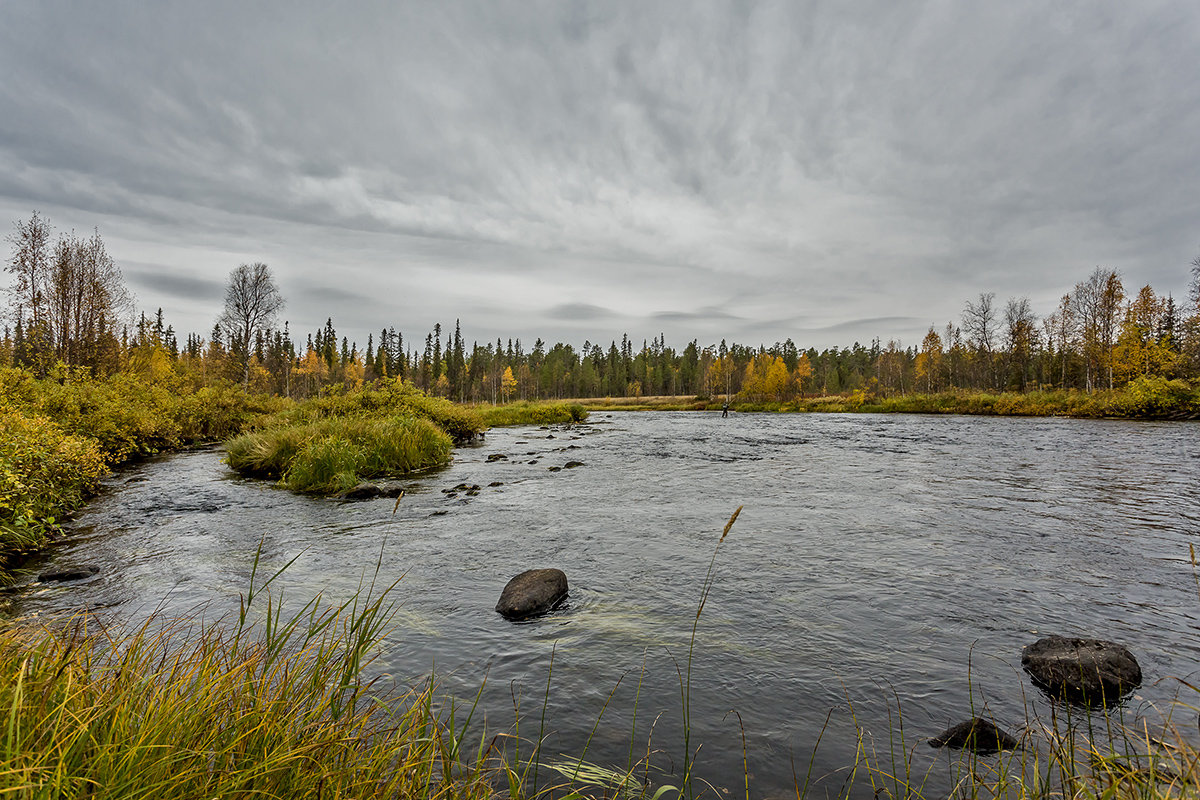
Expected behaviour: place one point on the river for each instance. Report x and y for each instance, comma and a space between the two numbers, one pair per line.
883, 567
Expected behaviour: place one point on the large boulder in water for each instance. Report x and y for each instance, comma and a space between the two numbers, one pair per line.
1083, 671
978, 735
533, 592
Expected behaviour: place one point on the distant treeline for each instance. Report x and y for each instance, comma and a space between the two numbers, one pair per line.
69, 312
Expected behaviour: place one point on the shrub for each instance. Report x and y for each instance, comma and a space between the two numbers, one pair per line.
44, 473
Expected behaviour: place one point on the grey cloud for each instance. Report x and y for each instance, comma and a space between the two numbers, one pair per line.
835, 162
708, 313
161, 279
579, 311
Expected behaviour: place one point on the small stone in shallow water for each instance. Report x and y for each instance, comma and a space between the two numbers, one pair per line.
573, 464
977, 735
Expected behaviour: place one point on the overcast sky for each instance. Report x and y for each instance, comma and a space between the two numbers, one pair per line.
825, 171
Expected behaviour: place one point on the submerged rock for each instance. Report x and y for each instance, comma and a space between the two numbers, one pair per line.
69, 573
1082, 671
366, 491
496, 457
573, 464
533, 592
978, 735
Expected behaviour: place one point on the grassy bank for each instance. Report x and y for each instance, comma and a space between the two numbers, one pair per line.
536, 413
1145, 398
57, 439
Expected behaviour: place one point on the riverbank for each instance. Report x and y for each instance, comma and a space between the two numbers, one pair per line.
59, 438
1149, 398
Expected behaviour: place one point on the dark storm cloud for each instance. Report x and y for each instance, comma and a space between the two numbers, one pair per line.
841, 165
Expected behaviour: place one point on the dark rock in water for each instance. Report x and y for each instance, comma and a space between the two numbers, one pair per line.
534, 461
1082, 671
367, 491
494, 484
69, 574
497, 457
573, 464
977, 735
533, 592
439, 513
555, 469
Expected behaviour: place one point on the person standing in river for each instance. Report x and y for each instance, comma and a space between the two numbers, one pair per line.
725, 410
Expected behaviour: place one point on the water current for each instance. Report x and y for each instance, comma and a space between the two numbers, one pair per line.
884, 568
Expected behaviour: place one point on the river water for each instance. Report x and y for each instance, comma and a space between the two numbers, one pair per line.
883, 568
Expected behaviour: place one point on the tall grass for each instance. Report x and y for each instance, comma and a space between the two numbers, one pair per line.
335, 454
271, 706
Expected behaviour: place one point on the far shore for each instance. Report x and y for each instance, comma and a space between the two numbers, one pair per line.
1156, 400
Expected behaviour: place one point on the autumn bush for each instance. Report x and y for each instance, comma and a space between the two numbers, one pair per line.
44, 473
129, 417
59, 437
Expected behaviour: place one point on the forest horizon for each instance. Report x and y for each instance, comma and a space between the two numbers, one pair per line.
69, 309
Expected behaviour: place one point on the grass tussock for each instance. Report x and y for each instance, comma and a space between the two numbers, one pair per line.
335, 454
396, 398
532, 413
